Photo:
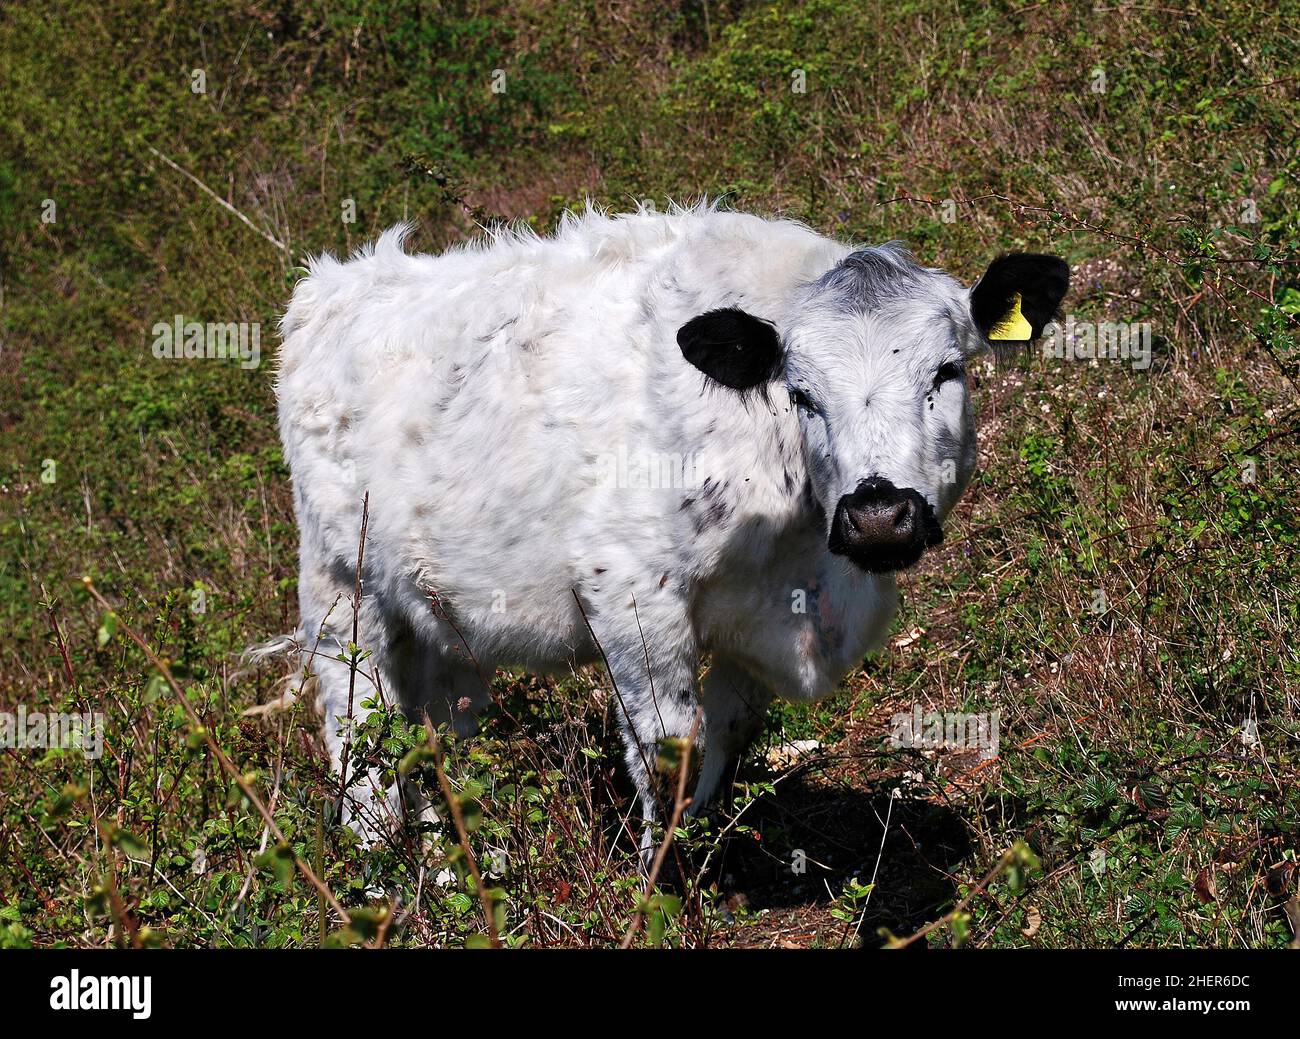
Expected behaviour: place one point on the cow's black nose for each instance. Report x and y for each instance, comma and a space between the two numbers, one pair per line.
883, 528
887, 522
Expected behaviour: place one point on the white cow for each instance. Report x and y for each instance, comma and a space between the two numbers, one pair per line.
652, 437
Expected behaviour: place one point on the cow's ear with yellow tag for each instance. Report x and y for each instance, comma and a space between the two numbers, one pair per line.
1017, 296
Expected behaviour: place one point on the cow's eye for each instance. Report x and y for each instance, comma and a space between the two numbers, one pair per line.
948, 372
801, 400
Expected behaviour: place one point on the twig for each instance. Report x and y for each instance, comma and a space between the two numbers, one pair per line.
1007, 857
58, 635
355, 649
880, 852
220, 201
122, 919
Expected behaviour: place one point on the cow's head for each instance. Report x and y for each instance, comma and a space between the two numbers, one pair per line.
873, 358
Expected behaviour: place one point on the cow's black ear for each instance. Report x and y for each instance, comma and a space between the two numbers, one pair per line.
731, 347
1018, 295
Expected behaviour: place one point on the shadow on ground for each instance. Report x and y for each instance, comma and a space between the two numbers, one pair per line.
814, 836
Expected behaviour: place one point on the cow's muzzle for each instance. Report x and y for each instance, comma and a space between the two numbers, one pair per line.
882, 528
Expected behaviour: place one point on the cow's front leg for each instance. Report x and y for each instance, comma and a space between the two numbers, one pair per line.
654, 699
735, 708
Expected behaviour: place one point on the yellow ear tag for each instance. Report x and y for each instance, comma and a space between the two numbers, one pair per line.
1013, 324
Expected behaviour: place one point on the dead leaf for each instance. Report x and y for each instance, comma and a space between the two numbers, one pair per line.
1278, 880
786, 754
905, 640
1204, 886
1033, 921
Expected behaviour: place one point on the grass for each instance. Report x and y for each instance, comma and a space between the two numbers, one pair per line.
1119, 584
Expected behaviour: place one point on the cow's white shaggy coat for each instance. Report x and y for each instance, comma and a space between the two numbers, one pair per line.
511, 408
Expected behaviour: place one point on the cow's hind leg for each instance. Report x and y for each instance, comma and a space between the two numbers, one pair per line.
350, 686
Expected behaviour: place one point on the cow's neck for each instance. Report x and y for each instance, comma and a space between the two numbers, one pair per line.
805, 616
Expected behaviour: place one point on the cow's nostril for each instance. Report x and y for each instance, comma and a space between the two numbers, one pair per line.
905, 519
860, 519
